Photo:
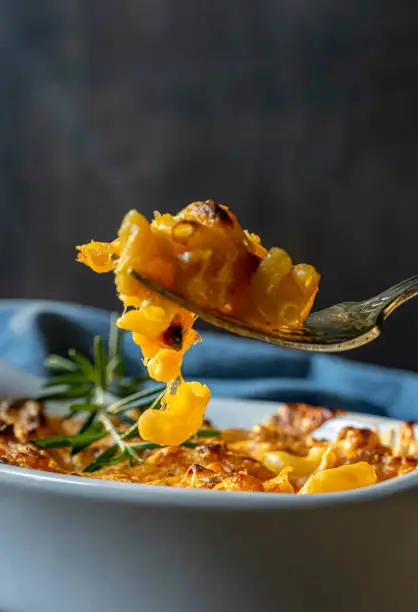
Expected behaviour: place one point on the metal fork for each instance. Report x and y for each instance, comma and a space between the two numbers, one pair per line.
338, 328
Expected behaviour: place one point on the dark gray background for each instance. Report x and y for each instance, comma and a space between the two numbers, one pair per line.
301, 115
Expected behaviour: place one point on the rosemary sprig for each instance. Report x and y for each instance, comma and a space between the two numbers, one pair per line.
136, 400
71, 441
109, 400
116, 363
56, 363
101, 361
126, 450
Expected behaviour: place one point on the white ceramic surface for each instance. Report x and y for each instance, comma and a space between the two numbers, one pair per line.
72, 544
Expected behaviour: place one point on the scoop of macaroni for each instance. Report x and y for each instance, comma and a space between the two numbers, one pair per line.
202, 254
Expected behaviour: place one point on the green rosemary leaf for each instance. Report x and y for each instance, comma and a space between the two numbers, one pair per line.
132, 454
135, 400
69, 441
144, 445
83, 363
132, 432
114, 461
87, 427
88, 424
107, 457
56, 363
84, 407
156, 404
71, 378
77, 408
102, 459
138, 405
100, 363
78, 391
207, 433
116, 364
151, 445
112, 367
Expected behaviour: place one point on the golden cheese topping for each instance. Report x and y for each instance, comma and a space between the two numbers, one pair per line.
203, 254
281, 455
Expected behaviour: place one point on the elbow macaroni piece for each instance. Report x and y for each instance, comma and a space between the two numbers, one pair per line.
276, 461
343, 478
99, 256
181, 417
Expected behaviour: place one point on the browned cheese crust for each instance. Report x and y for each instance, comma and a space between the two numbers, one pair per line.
232, 461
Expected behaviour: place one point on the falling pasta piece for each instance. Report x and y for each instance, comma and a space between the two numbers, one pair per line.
181, 417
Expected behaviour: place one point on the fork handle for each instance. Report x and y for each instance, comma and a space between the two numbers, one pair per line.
398, 294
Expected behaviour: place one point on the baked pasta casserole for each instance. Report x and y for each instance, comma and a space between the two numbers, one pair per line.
281, 455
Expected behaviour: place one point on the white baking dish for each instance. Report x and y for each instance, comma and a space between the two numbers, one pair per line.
72, 544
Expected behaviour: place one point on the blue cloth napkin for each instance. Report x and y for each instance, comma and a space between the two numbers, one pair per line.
231, 366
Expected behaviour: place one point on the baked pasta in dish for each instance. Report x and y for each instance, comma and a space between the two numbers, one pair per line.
203, 254
281, 455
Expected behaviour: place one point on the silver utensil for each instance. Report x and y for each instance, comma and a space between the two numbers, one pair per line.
338, 328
